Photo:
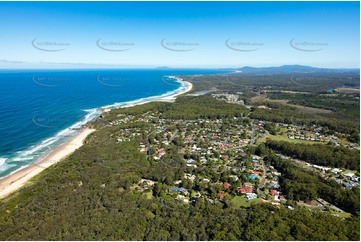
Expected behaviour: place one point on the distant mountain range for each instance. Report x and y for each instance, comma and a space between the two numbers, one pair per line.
9, 64
162, 67
288, 69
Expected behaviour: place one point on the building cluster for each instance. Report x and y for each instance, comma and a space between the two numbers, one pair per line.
215, 155
229, 98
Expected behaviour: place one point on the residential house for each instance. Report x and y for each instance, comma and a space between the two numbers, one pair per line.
274, 192
234, 177
221, 195
226, 185
245, 189
250, 196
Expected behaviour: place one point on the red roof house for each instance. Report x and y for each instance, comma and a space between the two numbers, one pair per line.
220, 195
226, 185
245, 189
273, 192
258, 173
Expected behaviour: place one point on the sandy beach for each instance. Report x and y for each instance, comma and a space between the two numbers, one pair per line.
13, 182
188, 87
16, 180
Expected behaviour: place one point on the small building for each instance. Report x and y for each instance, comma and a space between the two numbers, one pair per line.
250, 196
347, 185
234, 177
336, 208
355, 178
245, 189
336, 170
179, 190
226, 185
257, 173
274, 192
322, 202
273, 185
348, 175
161, 151
255, 157
221, 195
248, 184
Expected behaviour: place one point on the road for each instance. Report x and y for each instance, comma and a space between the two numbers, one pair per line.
265, 173
253, 132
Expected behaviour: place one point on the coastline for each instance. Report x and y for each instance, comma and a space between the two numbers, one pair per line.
22, 176
187, 85
18, 179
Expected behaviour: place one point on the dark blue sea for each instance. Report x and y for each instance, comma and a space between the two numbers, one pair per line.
39, 110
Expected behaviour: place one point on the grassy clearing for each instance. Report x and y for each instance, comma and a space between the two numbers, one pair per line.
148, 195
285, 138
241, 201
304, 109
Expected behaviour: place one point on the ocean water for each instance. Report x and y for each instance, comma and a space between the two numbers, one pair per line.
39, 110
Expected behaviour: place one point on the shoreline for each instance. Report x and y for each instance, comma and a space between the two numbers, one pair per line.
19, 178
188, 88
186, 85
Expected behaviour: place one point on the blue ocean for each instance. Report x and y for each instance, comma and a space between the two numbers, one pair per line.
40, 110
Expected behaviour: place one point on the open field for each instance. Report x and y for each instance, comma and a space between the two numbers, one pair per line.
285, 138
241, 201
304, 109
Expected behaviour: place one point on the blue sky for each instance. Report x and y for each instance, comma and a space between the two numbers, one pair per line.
194, 34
